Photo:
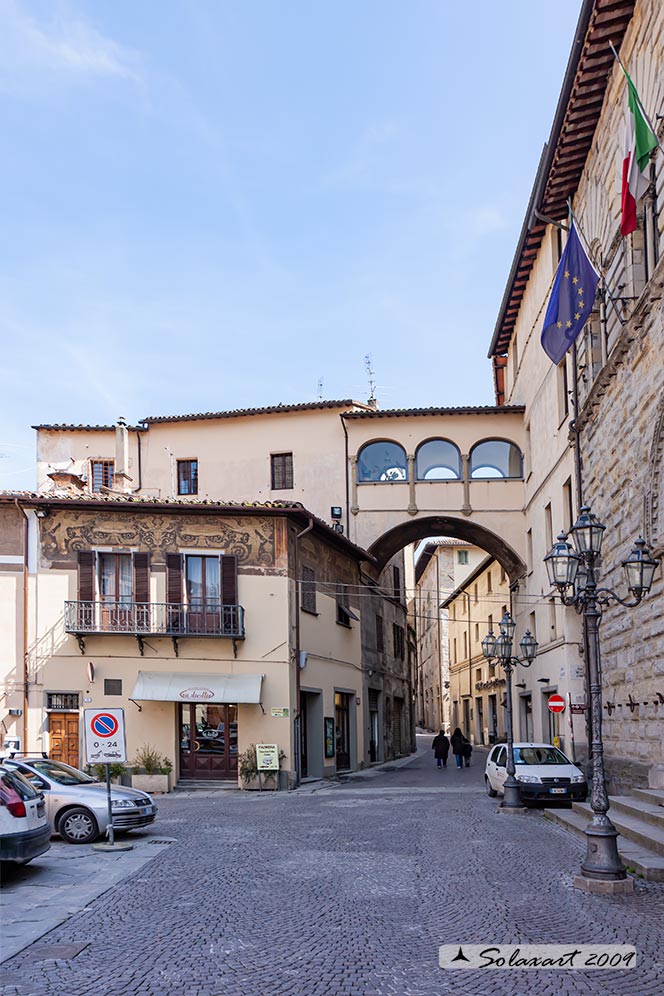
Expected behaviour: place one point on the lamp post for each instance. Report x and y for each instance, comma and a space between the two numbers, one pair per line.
574, 573
500, 648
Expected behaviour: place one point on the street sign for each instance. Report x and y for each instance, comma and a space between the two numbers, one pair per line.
556, 703
578, 708
267, 757
105, 741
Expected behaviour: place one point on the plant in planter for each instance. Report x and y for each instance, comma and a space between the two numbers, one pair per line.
98, 771
248, 770
151, 770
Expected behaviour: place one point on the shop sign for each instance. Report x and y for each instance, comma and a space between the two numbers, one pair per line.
578, 707
197, 694
329, 737
267, 757
279, 713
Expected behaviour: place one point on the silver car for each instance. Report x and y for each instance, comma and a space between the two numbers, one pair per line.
76, 803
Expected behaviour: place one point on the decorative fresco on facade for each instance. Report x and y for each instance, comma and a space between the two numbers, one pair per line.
64, 534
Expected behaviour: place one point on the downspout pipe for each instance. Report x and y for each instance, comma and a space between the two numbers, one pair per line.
343, 422
25, 623
298, 717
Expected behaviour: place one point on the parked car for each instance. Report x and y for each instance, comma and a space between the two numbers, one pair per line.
542, 771
25, 829
76, 803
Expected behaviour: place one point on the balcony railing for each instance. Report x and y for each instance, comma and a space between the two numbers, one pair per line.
172, 619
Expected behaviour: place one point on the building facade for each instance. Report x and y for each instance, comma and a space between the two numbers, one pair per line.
191, 616
618, 370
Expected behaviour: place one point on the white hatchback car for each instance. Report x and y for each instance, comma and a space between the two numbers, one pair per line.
25, 830
542, 771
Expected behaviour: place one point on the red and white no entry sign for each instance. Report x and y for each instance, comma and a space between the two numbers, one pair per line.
556, 703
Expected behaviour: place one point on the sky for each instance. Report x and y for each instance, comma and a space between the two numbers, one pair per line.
217, 203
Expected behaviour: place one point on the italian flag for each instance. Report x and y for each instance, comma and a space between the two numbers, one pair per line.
639, 143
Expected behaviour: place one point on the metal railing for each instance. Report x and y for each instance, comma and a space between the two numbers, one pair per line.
155, 618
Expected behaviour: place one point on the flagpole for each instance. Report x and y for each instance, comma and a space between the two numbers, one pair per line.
636, 93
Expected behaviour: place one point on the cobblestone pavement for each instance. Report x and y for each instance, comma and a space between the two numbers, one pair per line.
346, 891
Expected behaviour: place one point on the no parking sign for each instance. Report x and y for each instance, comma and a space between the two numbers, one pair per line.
105, 741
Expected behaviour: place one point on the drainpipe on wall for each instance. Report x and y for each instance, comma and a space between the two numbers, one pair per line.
298, 724
343, 422
25, 623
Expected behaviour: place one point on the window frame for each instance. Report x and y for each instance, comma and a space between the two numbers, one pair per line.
191, 462
107, 471
286, 469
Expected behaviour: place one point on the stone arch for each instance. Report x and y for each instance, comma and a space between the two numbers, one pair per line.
447, 525
500, 454
438, 454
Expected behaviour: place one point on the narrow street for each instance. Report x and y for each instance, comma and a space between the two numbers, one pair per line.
344, 890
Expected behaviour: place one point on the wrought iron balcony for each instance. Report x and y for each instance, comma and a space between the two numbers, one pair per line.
142, 619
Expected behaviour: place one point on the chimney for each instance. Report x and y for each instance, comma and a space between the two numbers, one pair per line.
372, 403
121, 478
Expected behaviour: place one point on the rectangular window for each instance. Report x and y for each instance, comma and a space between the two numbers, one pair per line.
563, 393
548, 526
397, 632
453, 611
455, 650
282, 471
115, 577
396, 581
568, 505
187, 477
112, 686
465, 644
476, 594
101, 474
344, 614
477, 632
462, 556
490, 623
489, 582
529, 548
503, 575
532, 624
62, 700
380, 638
308, 590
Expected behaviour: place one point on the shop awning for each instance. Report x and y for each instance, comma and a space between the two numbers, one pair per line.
181, 686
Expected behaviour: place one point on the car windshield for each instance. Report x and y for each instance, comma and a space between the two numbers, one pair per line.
63, 774
539, 755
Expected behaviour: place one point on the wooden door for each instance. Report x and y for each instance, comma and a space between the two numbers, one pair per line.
63, 729
342, 730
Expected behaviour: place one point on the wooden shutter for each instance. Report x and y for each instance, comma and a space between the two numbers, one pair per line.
86, 576
229, 580
141, 577
174, 577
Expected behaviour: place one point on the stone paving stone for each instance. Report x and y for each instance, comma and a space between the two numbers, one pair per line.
348, 890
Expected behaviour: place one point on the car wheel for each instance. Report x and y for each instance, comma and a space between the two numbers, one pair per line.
78, 826
491, 792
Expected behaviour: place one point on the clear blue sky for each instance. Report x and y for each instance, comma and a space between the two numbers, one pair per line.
212, 204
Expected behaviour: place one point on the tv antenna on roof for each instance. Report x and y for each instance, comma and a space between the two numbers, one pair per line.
320, 388
370, 375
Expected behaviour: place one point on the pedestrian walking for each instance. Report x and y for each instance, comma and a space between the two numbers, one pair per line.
441, 748
467, 751
456, 741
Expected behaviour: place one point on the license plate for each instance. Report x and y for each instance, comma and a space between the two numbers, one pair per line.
557, 791
149, 810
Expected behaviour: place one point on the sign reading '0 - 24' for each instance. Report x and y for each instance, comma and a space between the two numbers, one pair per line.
105, 741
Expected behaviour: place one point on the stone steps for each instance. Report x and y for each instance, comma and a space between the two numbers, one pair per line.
201, 785
644, 862
653, 796
639, 809
633, 827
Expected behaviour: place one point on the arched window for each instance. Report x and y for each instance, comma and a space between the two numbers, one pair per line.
382, 461
438, 460
495, 458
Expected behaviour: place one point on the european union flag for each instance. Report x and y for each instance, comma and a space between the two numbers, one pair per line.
571, 300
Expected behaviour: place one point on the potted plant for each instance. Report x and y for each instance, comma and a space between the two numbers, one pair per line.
118, 772
247, 767
151, 771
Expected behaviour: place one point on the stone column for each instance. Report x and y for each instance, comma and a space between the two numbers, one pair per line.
354, 507
466, 508
412, 507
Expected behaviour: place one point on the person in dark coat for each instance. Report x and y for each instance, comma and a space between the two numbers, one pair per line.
441, 748
467, 751
457, 740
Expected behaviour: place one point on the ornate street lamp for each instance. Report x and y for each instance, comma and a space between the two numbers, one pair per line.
575, 573
500, 648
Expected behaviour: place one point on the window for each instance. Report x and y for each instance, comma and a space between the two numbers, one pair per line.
62, 700
490, 623
553, 629
477, 632
532, 624
476, 594
380, 639
495, 458
383, 461
478, 674
563, 393
115, 577
112, 686
489, 582
548, 526
465, 644
101, 474
282, 471
453, 611
203, 582
187, 477
455, 650
396, 582
309, 590
438, 460
397, 633
344, 612
529, 548
568, 507
503, 575
462, 556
